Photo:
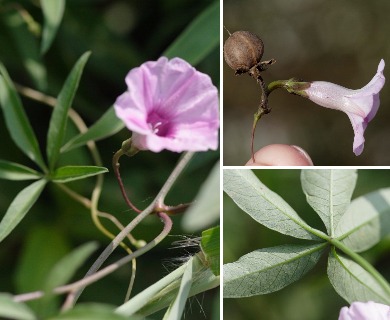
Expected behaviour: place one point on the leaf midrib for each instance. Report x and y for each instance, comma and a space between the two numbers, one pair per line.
299, 222
309, 252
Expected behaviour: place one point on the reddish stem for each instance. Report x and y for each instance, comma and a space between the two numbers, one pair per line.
116, 165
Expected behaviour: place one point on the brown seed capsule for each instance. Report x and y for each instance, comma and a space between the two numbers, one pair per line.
243, 51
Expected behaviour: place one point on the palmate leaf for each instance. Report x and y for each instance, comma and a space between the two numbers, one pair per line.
366, 221
20, 206
352, 282
15, 171
329, 193
71, 173
58, 121
269, 270
264, 205
16, 120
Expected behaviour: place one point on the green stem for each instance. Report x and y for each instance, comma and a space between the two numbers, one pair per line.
92, 275
363, 263
73, 287
256, 118
275, 85
119, 238
82, 127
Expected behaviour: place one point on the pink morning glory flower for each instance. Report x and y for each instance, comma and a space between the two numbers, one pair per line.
365, 311
359, 105
170, 105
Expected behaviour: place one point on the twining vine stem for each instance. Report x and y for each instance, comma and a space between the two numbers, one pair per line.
92, 204
73, 287
119, 238
76, 288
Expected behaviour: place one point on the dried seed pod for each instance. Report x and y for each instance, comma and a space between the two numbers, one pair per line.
243, 50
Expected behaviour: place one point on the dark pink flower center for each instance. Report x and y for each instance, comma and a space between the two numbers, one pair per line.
160, 126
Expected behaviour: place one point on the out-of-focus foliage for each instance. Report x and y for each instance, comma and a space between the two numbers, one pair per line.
121, 35
335, 41
242, 235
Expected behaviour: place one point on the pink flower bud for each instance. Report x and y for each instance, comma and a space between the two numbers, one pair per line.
170, 105
365, 311
359, 105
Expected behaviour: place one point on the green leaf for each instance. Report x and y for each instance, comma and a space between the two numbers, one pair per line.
264, 205
143, 298
176, 308
329, 193
63, 271
10, 309
31, 271
15, 171
269, 270
366, 221
27, 45
199, 38
52, 13
106, 126
352, 282
71, 173
16, 120
20, 206
59, 116
205, 210
89, 311
160, 294
210, 247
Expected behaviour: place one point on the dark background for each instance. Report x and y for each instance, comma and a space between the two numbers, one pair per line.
121, 36
335, 41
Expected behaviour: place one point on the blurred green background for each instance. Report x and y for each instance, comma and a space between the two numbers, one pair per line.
312, 297
121, 36
339, 41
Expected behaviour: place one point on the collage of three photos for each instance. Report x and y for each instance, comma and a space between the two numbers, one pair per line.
194, 160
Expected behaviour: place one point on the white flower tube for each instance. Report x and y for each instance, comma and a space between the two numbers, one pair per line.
365, 311
359, 105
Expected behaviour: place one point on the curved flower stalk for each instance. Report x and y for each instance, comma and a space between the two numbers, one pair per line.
170, 105
365, 311
359, 105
